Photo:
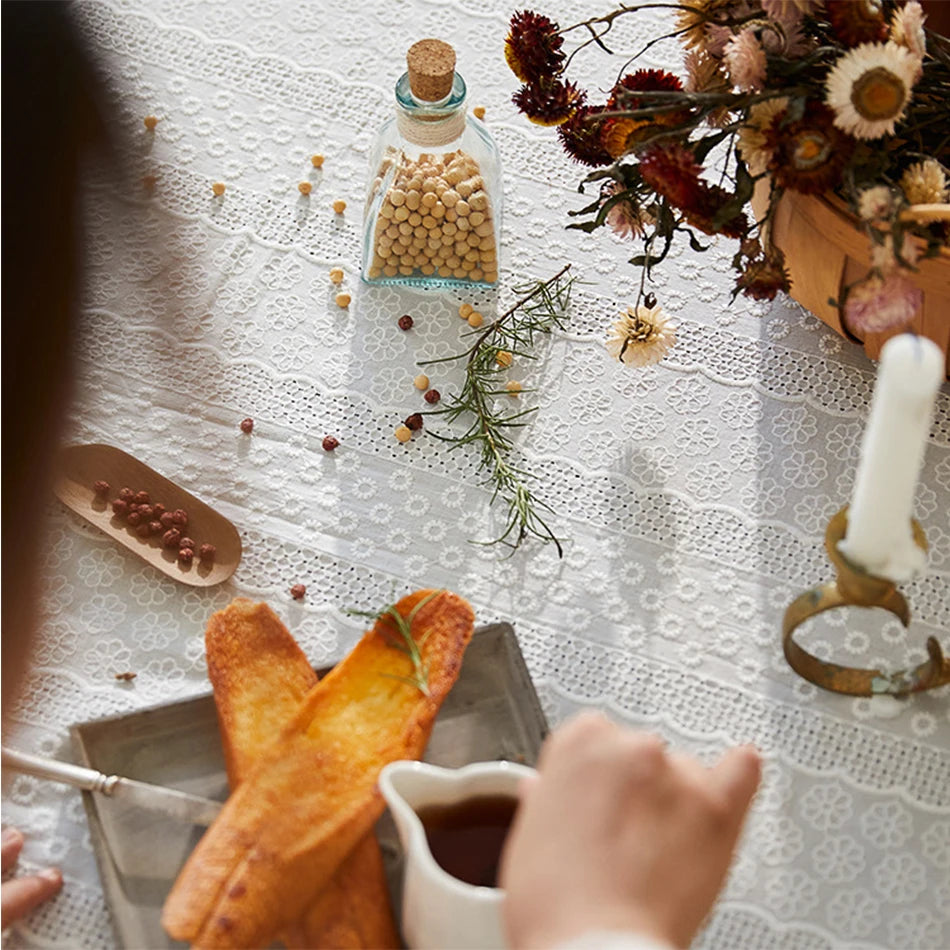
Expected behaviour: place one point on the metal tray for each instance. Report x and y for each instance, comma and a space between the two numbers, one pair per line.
492, 712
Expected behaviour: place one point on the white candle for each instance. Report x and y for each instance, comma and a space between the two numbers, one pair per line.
879, 536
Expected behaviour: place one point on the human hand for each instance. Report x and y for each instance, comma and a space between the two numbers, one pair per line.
616, 834
21, 894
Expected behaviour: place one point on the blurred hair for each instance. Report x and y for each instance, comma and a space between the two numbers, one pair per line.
52, 121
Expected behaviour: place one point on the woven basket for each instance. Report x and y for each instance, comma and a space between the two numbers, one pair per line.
825, 251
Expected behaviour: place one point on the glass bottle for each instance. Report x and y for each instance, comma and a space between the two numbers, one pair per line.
433, 209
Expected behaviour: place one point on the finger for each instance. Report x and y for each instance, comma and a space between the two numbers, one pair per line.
737, 776
526, 786
10, 845
576, 732
22, 894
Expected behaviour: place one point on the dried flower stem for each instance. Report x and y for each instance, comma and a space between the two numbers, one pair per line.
543, 308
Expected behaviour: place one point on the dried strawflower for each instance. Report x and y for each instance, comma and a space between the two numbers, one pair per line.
581, 137
763, 278
875, 204
924, 183
533, 47
907, 29
643, 335
672, 171
548, 101
745, 59
869, 89
881, 303
808, 155
753, 139
856, 21
623, 216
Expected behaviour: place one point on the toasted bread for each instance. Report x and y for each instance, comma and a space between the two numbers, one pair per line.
260, 677
312, 795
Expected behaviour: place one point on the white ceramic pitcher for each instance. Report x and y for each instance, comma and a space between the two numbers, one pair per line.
440, 912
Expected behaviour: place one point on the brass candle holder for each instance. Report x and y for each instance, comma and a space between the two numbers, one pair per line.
855, 587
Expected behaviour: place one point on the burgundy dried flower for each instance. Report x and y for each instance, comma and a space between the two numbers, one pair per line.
533, 47
581, 137
711, 200
643, 80
548, 101
857, 21
764, 278
671, 170
808, 155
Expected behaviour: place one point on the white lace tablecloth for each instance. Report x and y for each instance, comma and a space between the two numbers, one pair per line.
692, 496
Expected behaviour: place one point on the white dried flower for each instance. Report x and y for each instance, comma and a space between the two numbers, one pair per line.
752, 143
875, 204
907, 29
642, 335
925, 183
869, 88
745, 59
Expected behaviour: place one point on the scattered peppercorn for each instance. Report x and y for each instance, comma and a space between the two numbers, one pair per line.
146, 511
343, 301
465, 310
479, 112
158, 509
180, 517
101, 487
120, 507
475, 319
316, 161
134, 518
298, 591
503, 358
414, 421
403, 433
405, 322
126, 677
218, 188
513, 387
339, 206
329, 443
421, 381
187, 543
336, 275
432, 396
186, 555
171, 538
150, 122
207, 552
126, 494
305, 188
167, 519
155, 527
247, 426
142, 498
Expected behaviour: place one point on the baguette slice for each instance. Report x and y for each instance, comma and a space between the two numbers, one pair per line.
260, 677
312, 795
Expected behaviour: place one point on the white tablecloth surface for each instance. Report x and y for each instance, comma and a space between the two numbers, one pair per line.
692, 496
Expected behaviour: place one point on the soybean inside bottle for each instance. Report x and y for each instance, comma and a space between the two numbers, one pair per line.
433, 208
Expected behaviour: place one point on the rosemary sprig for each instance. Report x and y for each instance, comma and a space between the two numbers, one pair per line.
406, 643
543, 307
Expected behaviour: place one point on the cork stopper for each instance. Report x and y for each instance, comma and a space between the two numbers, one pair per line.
431, 69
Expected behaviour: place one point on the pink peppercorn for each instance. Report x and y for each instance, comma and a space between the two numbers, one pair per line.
171, 538
126, 494
207, 552
185, 555
432, 396
144, 529
146, 511
180, 517
155, 527
134, 518
298, 591
247, 425
167, 519
329, 443
158, 509
142, 498
405, 322
414, 421
120, 507
100, 487
187, 543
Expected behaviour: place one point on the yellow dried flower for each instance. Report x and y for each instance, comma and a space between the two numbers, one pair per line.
642, 335
925, 183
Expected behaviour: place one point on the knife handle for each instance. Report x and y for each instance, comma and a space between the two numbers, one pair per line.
57, 771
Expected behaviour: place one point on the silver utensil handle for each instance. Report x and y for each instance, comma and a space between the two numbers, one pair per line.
57, 771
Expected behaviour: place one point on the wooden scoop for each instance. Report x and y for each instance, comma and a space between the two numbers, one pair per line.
81, 466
